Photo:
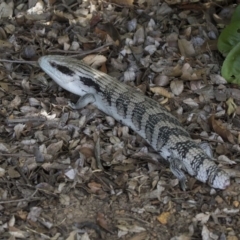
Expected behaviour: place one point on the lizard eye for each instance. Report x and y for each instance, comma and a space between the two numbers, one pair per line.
63, 69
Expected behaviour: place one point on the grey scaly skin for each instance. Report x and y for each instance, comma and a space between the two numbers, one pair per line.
139, 112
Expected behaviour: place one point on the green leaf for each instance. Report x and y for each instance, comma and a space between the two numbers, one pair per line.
236, 14
231, 66
229, 37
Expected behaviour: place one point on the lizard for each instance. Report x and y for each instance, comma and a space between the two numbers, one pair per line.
143, 115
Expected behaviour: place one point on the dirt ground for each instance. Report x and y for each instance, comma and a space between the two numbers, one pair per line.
79, 174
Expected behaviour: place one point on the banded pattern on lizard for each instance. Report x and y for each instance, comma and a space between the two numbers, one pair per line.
139, 112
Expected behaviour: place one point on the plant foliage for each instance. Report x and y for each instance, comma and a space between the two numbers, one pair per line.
229, 46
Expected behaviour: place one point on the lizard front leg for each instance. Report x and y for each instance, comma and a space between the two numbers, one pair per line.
83, 101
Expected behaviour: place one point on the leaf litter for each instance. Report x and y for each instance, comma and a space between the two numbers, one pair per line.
68, 174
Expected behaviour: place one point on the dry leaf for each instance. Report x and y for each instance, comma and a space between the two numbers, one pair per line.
125, 226
71, 174
33, 102
15, 102
139, 236
217, 79
190, 102
206, 234
19, 129
131, 25
124, 168
151, 25
4, 85
74, 46
95, 60
146, 61
226, 160
63, 39
217, 126
2, 172
175, 71
12, 221
110, 121
205, 93
129, 75
176, 87
188, 73
64, 199
87, 151
161, 80
161, 91
34, 214
15, 232
236, 204
186, 48
118, 65
172, 39
74, 235
94, 187
100, 33
45, 187
9, 28
231, 106
209, 45
101, 221
54, 148
151, 49
164, 9
111, 31
202, 217
6, 10
37, 8
3, 148
139, 36
163, 218
22, 214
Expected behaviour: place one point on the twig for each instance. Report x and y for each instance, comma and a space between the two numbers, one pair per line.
16, 155
83, 53
80, 54
34, 63
10, 121
23, 199
131, 217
